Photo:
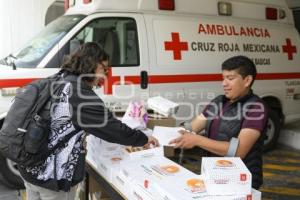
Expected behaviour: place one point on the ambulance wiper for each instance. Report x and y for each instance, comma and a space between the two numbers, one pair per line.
10, 60
3, 62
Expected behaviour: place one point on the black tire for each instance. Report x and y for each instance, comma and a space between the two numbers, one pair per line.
273, 130
10, 174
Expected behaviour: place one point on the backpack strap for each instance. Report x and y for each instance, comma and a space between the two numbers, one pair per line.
45, 93
61, 143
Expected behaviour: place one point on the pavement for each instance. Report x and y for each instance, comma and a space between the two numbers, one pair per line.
7, 193
281, 171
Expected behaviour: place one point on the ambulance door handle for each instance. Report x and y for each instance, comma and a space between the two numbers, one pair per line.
144, 79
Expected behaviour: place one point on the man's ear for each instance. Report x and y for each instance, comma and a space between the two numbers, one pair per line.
248, 80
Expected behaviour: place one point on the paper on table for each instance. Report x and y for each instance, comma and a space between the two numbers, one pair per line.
166, 134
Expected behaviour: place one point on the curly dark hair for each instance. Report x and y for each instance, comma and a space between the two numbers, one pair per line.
85, 60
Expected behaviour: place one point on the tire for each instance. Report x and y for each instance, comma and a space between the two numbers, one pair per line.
10, 174
273, 130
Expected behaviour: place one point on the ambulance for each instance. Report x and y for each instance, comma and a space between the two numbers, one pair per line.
171, 48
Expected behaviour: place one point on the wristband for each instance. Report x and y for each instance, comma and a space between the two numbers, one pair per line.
187, 126
233, 145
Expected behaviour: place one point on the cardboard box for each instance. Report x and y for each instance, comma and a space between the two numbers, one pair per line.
226, 176
158, 120
169, 151
162, 105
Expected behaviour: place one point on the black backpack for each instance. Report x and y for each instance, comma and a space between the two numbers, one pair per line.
25, 131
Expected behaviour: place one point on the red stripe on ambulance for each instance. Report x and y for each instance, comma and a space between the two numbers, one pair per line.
15, 82
157, 79
188, 78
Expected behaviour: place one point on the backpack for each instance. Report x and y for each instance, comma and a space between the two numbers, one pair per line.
25, 131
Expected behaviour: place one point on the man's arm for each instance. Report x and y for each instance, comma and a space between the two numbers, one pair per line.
198, 123
247, 138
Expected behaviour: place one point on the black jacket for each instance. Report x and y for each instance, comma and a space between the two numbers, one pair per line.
231, 128
78, 107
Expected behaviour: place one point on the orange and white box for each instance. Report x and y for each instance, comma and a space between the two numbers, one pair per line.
122, 184
109, 164
141, 175
188, 186
103, 156
226, 176
133, 180
255, 195
155, 168
193, 187
147, 172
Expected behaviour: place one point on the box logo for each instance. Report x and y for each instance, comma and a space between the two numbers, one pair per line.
243, 177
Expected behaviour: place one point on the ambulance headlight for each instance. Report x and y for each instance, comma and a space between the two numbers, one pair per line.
9, 91
225, 8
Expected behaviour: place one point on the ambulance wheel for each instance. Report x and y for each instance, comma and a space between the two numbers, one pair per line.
273, 130
10, 174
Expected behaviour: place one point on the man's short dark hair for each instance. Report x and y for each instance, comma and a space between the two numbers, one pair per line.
242, 64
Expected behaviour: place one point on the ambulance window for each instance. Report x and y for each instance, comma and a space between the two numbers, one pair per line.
296, 13
118, 36
36, 49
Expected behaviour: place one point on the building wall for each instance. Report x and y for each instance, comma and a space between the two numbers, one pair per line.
20, 20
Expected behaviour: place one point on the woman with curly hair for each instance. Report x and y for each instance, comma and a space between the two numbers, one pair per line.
77, 110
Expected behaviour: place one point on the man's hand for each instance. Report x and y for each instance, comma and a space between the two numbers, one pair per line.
188, 140
152, 142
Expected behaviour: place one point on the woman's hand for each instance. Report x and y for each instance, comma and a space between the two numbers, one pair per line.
152, 142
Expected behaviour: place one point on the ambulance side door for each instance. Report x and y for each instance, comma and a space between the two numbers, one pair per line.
164, 72
123, 36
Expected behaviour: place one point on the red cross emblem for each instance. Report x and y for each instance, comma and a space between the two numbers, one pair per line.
289, 49
110, 81
176, 46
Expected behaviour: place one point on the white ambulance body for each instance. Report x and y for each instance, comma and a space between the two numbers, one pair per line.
172, 48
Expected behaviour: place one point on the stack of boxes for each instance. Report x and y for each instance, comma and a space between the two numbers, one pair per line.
153, 179
148, 175
228, 176
104, 156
